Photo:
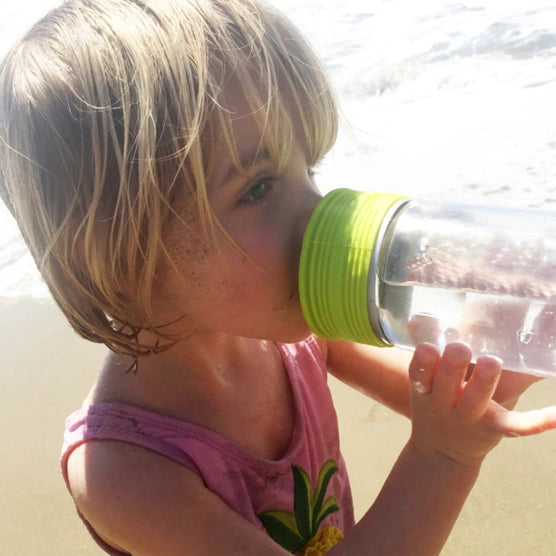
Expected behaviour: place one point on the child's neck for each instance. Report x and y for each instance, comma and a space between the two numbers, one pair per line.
237, 387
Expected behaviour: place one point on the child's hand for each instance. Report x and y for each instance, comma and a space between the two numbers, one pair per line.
458, 419
510, 386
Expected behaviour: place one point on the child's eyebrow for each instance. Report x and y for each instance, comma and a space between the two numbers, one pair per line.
247, 160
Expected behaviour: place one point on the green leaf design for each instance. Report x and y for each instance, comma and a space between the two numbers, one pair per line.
284, 516
329, 507
325, 475
279, 525
294, 530
302, 502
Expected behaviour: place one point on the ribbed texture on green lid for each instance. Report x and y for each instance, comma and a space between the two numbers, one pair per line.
335, 260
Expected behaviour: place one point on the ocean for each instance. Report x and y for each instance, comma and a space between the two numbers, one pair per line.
440, 100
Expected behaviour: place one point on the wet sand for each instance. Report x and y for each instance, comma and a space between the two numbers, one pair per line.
46, 371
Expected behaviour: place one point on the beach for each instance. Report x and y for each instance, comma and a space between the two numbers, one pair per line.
443, 101
47, 370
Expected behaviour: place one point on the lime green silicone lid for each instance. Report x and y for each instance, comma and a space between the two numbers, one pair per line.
335, 264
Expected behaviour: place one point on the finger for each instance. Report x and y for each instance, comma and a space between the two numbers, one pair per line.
450, 377
515, 423
478, 391
422, 368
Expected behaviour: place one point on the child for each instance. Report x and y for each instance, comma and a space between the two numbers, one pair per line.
158, 157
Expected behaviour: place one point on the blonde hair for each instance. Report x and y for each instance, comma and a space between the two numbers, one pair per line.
108, 108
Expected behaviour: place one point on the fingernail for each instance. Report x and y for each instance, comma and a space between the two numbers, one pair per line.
460, 352
490, 365
426, 355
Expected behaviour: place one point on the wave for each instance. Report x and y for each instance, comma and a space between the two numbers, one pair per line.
447, 99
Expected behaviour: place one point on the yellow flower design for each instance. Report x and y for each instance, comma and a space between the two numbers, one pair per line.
322, 542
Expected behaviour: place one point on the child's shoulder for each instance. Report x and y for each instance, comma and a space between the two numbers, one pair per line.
140, 502
128, 494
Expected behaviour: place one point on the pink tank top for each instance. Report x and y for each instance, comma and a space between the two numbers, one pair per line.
253, 487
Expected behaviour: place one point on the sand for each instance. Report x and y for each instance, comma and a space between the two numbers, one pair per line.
46, 371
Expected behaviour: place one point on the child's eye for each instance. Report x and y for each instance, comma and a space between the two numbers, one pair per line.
256, 193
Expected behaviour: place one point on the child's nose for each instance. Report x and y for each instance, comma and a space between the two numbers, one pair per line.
310, 201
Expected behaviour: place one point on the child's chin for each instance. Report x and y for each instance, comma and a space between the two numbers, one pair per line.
298, 335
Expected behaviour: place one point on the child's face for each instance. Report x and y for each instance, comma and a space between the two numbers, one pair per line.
218, 287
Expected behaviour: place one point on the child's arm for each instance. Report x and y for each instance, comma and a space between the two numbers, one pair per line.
380, 373
144, 504
455, 424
